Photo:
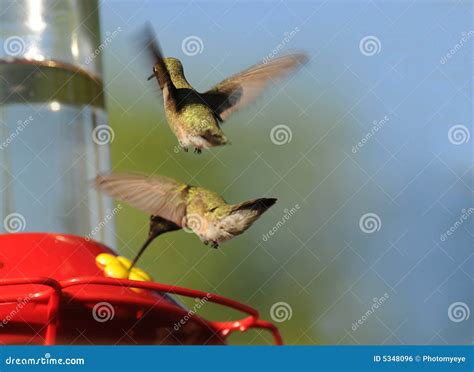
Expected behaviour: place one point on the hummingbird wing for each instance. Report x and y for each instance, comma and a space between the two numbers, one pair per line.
158, 195
156, 56
234, 93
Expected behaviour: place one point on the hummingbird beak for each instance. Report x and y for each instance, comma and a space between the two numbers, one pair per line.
151, 77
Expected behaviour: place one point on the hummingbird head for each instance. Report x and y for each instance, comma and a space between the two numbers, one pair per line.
173, 65
175, 69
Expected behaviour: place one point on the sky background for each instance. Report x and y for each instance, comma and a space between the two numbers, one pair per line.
368, 149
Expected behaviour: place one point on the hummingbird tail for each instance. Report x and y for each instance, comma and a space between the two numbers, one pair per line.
259, 205
263, 204
243, 215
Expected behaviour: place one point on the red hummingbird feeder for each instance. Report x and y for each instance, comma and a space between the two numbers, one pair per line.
53, 292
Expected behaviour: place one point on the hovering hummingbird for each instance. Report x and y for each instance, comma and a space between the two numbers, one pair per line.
195, 117
174, 205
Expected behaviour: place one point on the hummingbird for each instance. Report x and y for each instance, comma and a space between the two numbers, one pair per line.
174, 205
195, 118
